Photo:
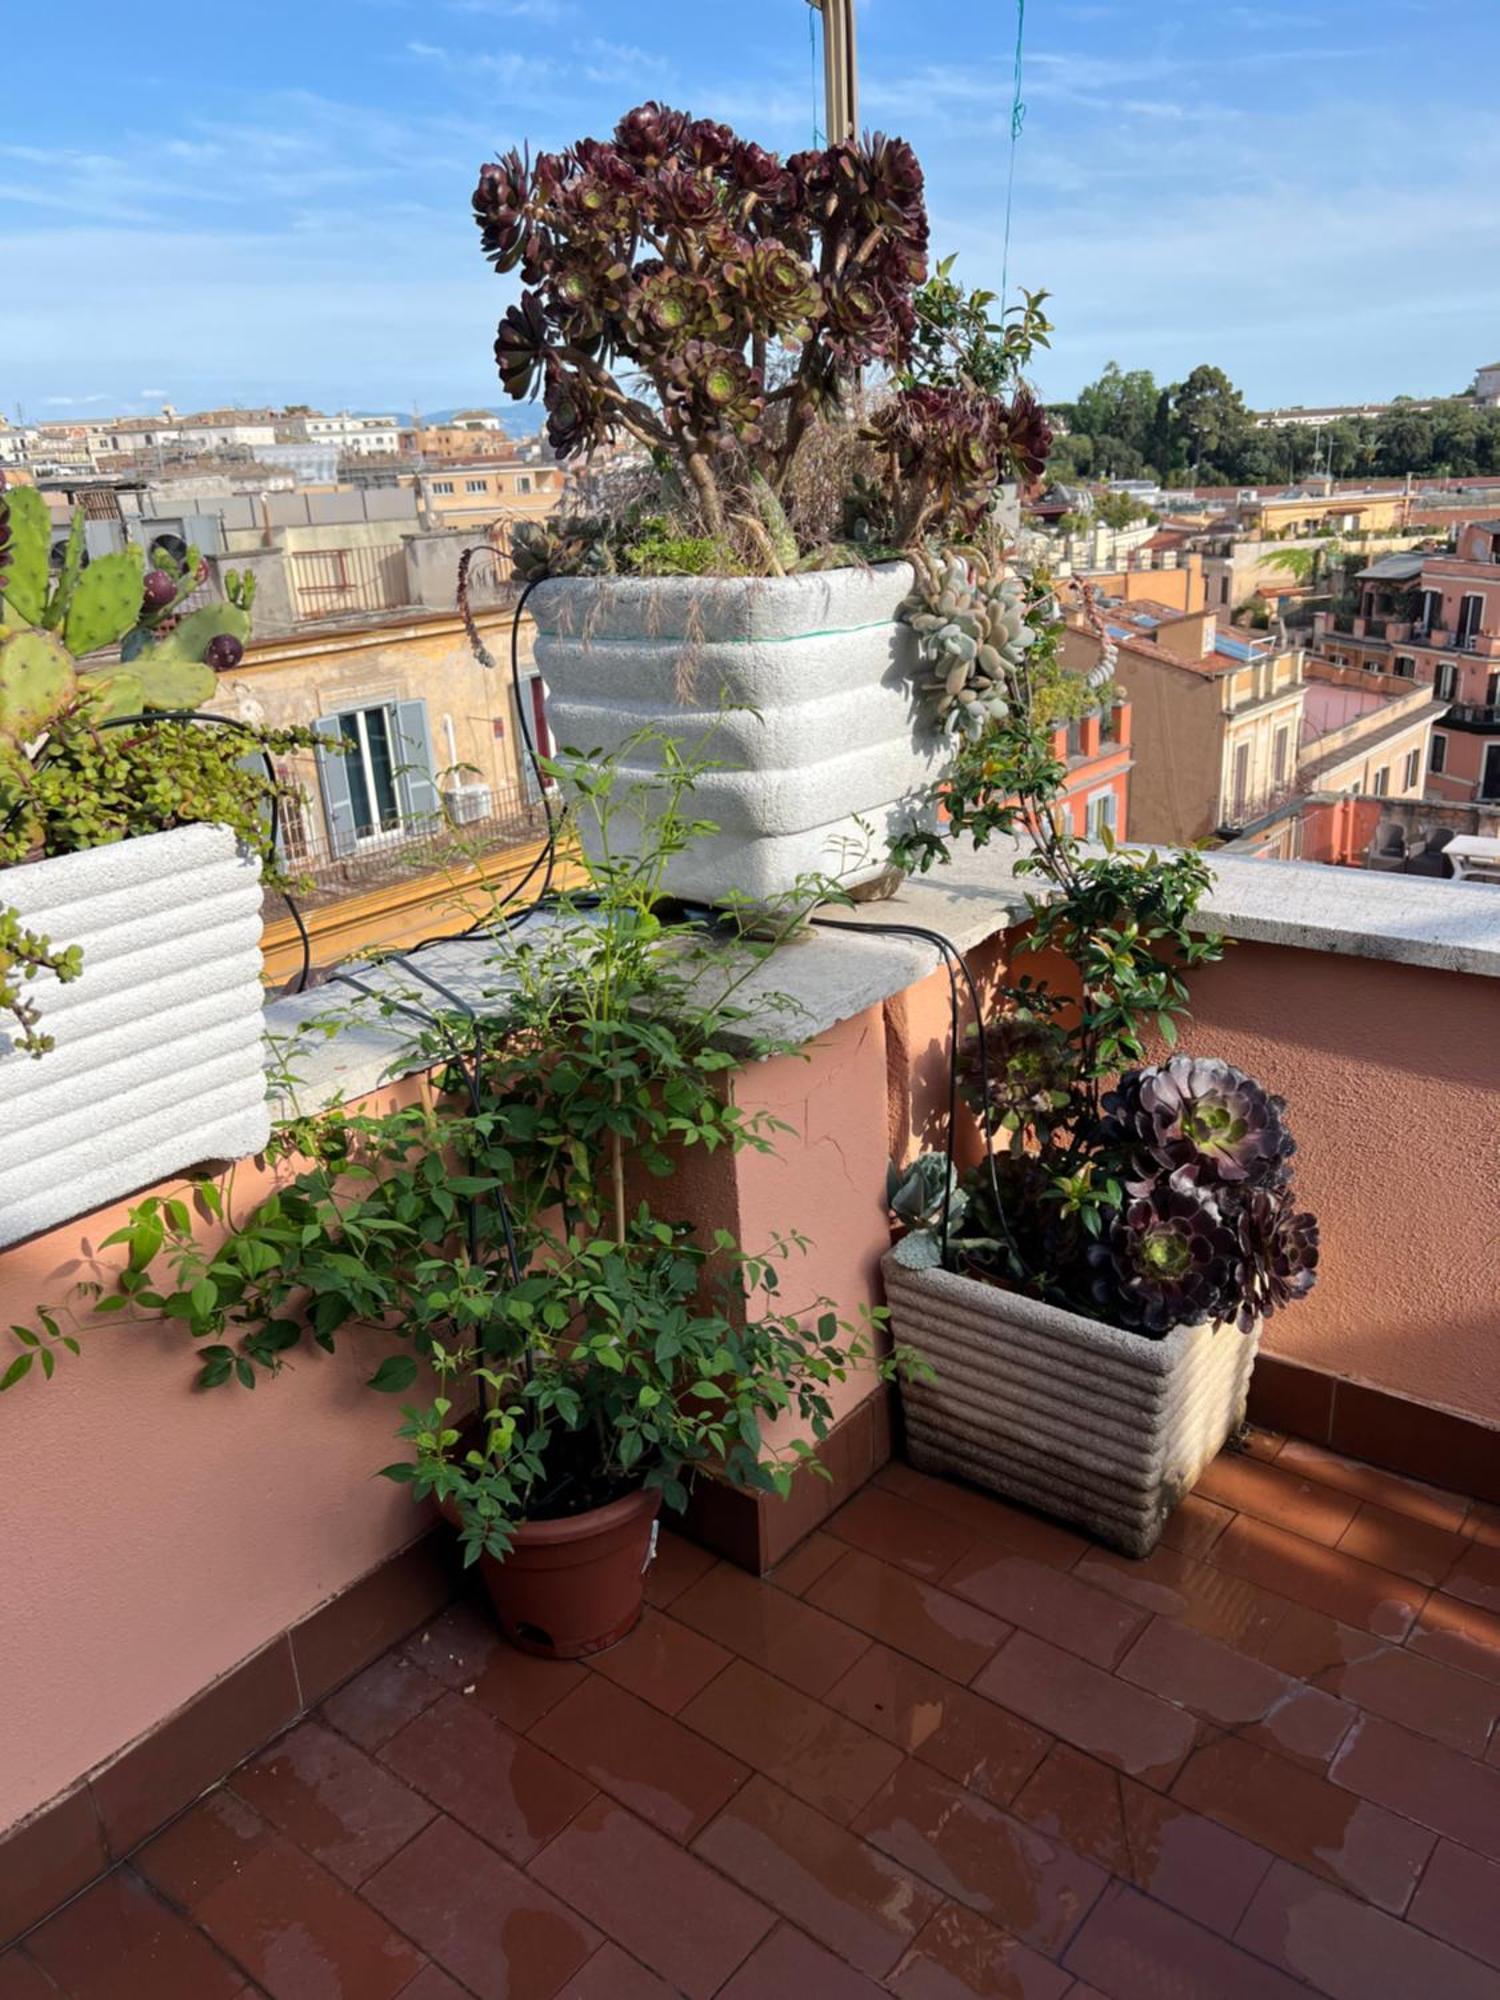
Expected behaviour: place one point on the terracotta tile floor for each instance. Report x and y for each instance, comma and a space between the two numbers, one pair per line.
947, 1750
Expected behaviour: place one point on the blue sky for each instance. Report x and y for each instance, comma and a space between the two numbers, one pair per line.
271, 203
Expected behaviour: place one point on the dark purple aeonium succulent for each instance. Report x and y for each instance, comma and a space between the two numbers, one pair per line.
1198, 1112
1278, 1252
1171, 1257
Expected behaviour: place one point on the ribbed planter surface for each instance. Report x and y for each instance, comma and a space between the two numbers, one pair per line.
1075, 1418
159, 1063
801, 689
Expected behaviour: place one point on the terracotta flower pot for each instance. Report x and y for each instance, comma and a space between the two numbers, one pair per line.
575, 1586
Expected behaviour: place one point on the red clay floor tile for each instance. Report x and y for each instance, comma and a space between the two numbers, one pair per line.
789, 1964
1459, 1899
1126, 1727
22, 1979
897, 1531
384, 1698
954, 1730
1325, 1579
1190, 1863
120, 1941
500, 1786
1131, 1948
1459, 1635
1276, 1493
1476, 1578
301, 1934
504, 1936
662, 1661
1415, 1549
1451, 1707
808, 1748
1176, 1586
984, 1516
336, 1803
959, 1955
1304, 1818
982, 1857
1372, 1483
806, 1563
855, 1900
431, 1983
212, 1843
678, 1563
46, 1858
1194, 1525
1236, 1692
664, 1906
648, 1761
1423, 1781
612, 1975
1482, 1524
786, 1636
909, 1614
1049, 1602
1307, 1643
465, 1651
1350, 1951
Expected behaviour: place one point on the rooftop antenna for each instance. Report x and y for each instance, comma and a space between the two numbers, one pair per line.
840, 72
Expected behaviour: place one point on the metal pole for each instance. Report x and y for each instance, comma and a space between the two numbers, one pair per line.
840, 72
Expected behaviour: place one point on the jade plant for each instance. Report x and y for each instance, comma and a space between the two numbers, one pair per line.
87, 755
688, 291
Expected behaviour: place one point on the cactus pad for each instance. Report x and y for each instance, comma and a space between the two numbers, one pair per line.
173, 684
189, 641
29, 547
36, 680
105, 603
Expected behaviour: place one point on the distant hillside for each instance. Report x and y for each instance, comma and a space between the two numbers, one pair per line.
519, 419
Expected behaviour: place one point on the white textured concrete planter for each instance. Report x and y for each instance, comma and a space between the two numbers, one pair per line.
158, 1064
1072, 1417
835, 737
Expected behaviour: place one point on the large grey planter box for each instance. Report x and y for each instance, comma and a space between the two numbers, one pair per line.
159, 1061
1072, 1417
802, 689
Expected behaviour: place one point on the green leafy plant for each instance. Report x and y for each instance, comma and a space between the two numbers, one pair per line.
515, 1248
81, 762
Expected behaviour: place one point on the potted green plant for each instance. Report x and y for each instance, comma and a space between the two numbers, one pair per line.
131, 839
714, 309
517, 1249
1089, 1297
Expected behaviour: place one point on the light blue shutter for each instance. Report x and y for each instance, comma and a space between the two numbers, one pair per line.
415, 778
333, 782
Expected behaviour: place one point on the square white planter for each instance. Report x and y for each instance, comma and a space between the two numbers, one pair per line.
159, 1062
803, 690
1084, 1421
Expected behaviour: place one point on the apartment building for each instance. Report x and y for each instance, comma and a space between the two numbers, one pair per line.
474, 493
469, 435
366, 436
1435, 620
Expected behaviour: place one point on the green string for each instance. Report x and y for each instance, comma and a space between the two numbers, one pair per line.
1017, 120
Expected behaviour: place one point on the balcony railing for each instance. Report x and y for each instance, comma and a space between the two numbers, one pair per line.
1473, 715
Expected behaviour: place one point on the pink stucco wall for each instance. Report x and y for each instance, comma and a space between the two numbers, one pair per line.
155, 1535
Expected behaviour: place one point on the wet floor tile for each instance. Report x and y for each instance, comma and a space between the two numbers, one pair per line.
957, 1732
1459, 1899
981, 1856
505, 1789
1451, 1707
1188, 1862
1423, 1781
504, 1936
22, 1979
789, 1964
1304, 1818
943, 1631
119, 1941
806, 1563
898, 1531
1053, 1604
678, 1564
301, 1934
1133, 1949
1459, 1635
1277, 1494
678, 1917
1325, 1579
1306, 1643
384, 1698
648, 1761
663, 1662
1349, 1951
1476, 1577
810, 1749
1412, 1548
431, 1983
465, 1651
1194, 1525
1236, 1692
984, 1516
788, 1637
336, 1803
212, 1843
1199, 1594
611, 1975
959, 1953
1058, 1692
1369, 1482
863, 1906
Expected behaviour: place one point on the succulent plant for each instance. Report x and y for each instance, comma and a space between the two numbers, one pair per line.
1278, 1247
1026, 1071
1169, 1258
917, 1195
973, 632
1200, 1112
564, 545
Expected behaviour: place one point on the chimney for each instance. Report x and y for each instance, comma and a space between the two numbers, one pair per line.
1190, 638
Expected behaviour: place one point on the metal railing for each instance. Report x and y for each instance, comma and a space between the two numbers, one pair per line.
328, 581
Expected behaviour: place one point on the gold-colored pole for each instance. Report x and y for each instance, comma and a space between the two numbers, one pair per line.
840, 72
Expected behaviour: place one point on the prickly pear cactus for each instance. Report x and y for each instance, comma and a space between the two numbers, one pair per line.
27, 547
104, 603
37, 681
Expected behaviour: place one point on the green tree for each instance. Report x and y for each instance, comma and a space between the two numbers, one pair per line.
1403, 442
1120, 405
1208, 425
